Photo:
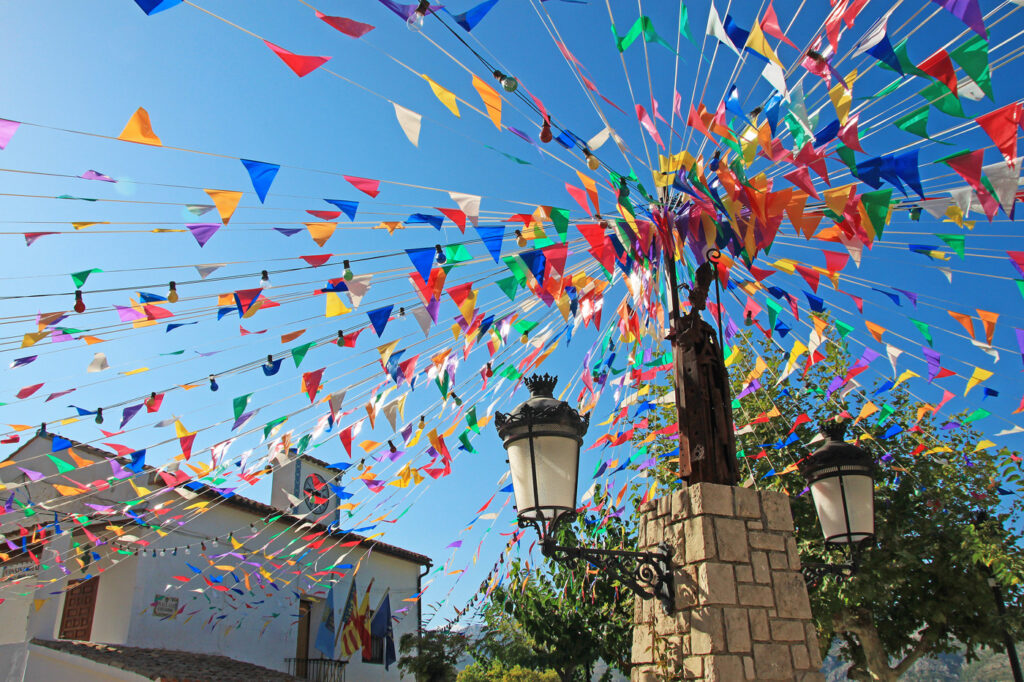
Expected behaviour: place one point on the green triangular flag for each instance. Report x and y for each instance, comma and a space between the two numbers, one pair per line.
240, 403
299, 352
976, 415
915, 123
80, 277
464, 439
471, 420
924, 329
273, 425
684, 23
773, 313
560, 217
884, 414
62, 466
843, 329
939, 96
876, 205
955, 242
972, 56
1020, 286
509, 286
518, 269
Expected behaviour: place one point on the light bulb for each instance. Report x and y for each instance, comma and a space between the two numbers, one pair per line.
213, 383
520, 239
415, 20
188, 549
269, 364
172, 293
545, 132
401, 312
341, 338
592, 162
524, 338
508, 83
441, 257
392, 447
264, 280
623, 189
489, 370
79, 303
348, 272
423, 422
99, 415
748, 318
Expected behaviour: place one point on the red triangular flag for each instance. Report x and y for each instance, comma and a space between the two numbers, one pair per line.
456, 216
324, 215
1001, 126
317, 260
940, 67
770, 25
350, 27
300, 64
364, 185
186, 444
311, 383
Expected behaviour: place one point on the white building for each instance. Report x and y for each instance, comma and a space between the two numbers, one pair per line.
178, 571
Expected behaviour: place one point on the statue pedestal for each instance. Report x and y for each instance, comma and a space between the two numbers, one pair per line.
742, 611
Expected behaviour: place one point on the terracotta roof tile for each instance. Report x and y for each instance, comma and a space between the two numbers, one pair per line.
164, 664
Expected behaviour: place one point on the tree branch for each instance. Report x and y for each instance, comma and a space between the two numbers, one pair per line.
923, 646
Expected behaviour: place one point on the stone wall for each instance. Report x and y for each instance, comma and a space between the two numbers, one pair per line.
742, 611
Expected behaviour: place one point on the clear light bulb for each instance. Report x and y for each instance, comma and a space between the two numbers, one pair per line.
172, 293
79, 303
592, 162
415, 20
264, 280
545, 132
348, 272
520, 239
524, 338
508, 83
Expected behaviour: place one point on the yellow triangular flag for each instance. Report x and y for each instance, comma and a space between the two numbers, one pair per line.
979, 375
386, 350
140, 130
491, 98
335, 306
447, 97
757, 43
321, 232
226, 202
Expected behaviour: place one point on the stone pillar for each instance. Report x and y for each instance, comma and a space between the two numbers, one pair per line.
742, 611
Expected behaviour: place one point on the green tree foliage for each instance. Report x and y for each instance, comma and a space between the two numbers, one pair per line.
496, 672
919, 591
431, 655
573, 616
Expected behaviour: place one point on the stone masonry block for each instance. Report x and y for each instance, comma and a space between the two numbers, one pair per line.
716, 583
812, 646
710, 498
664, 505
793, 554
755, 595
801, 661
737, 631
787, 630
778, 561
791, 599
744, 574
680, 506
812, 677
643, 642
748, 667
755, 525
759, 625
655, 531
772, 662
747, 503
645, 674
648, 508
761, 540
732, 540
707, 632
759, 564
723, 668
700, 539
693, 667
777, 514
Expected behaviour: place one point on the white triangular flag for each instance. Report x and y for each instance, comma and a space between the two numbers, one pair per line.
424, 319
410, 122
99, 363
470, 205
357, 288
199, 209
717, 30
205, 270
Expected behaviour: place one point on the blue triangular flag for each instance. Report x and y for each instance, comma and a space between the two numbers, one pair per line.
425, 218
492, 238
288, 231
471, 17
535, 261
422, 260
261, 174
379, 318
151, 7
346, 207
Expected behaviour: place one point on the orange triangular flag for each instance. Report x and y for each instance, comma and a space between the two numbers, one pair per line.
988, 320
321, 232
876, 330
966, 320
140, 130
491, 98
226, 202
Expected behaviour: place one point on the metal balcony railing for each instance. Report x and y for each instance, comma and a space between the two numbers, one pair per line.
317, 669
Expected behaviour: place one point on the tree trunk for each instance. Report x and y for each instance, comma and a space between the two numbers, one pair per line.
858, 622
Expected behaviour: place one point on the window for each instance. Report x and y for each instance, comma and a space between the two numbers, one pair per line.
375, 652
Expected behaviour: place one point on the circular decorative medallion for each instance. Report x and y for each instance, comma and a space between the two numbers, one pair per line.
316, 493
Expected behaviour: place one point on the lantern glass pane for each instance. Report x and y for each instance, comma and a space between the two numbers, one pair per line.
556, 465
828, 499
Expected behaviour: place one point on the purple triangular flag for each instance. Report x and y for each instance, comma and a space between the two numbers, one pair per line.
96, 175
7, 129
129, 412
203, 231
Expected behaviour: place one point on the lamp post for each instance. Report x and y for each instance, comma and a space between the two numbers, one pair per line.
842, 482
542, 438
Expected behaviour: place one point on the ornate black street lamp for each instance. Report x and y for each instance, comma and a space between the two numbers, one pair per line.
841, 477
542, 437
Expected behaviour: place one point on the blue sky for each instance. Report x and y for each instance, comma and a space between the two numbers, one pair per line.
212, 88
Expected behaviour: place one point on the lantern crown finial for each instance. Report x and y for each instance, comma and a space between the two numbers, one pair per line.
541, 385
835, 429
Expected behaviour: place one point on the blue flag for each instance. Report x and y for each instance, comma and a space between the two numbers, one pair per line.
380, 626
262, 175
325, 635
